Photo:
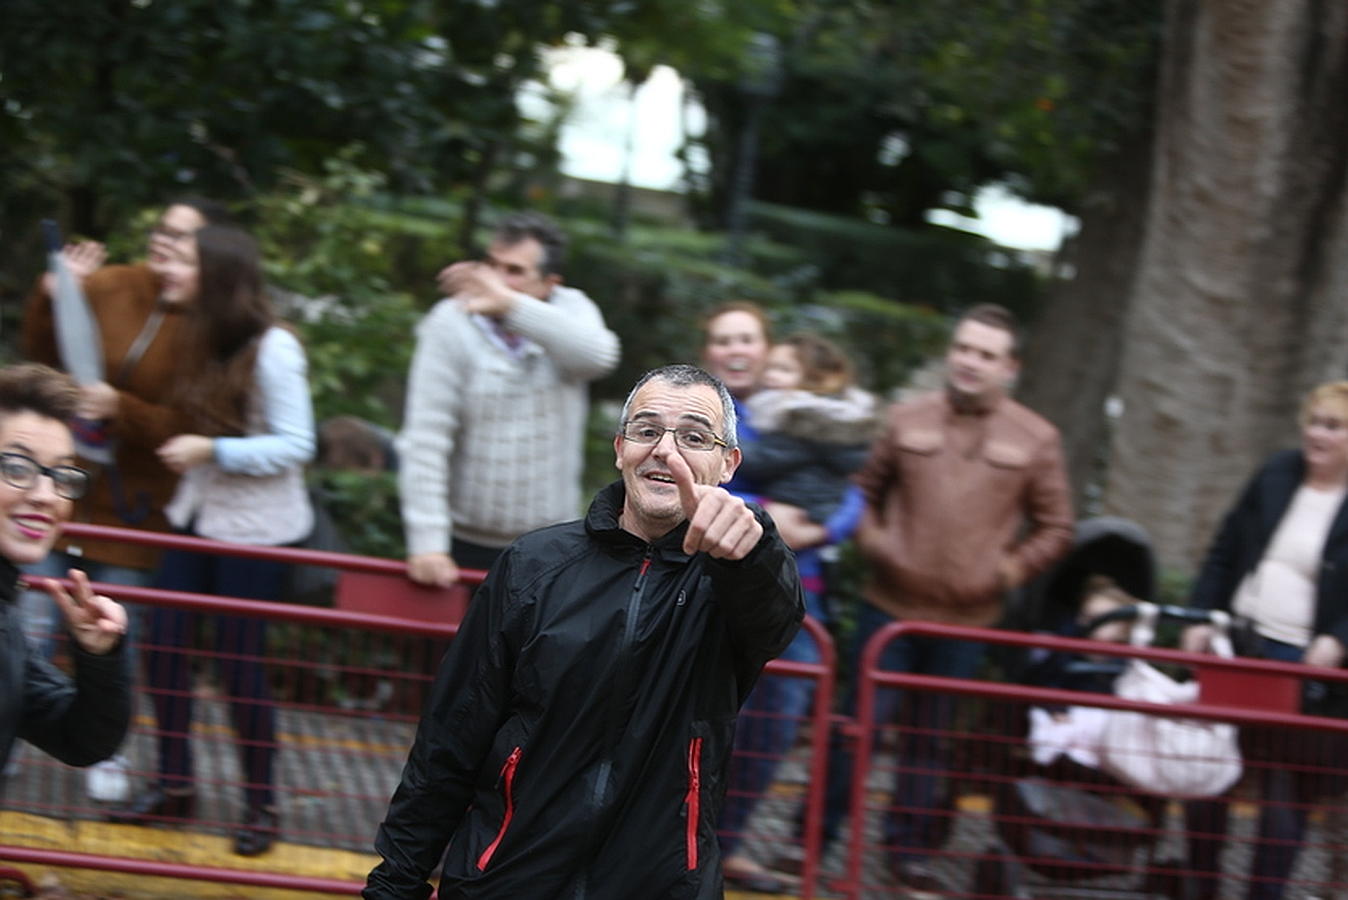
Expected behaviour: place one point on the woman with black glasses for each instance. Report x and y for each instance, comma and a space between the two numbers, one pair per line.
81, 720
244, 390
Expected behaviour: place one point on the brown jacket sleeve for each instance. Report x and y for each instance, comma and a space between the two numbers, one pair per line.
37, 335
121, 299
145, 424
878, 472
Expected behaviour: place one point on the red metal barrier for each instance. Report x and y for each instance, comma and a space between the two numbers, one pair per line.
797, 790
1049, 815
346, 686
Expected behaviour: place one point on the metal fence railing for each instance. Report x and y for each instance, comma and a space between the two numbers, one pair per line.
344, 685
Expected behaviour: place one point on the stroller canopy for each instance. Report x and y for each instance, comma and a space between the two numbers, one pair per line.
1117, 548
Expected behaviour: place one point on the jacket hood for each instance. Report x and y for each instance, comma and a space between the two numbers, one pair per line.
1104, 545
848, 417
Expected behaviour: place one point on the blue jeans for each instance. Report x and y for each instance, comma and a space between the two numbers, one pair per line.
765, 733
42, 619
920, 807
239, 644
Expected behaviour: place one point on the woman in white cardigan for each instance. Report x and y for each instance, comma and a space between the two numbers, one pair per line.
250, 424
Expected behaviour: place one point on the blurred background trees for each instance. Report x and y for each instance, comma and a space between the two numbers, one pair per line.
368, 142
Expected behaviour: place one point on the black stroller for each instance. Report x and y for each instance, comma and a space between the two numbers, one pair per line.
1070, 823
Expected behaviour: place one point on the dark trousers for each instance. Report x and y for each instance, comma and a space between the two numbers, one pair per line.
765, 731
239, 648
919, 816
468, 555
1287, 797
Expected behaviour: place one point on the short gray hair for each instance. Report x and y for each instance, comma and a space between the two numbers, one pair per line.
686, 376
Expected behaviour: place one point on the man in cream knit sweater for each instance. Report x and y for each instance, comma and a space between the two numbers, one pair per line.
493, 430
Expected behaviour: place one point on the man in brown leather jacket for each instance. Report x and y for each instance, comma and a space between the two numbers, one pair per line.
966, 498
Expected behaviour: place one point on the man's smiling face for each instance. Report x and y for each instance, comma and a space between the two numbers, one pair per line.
652, 506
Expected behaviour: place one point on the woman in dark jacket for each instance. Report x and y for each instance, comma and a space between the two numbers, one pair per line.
1280, 563
83, 720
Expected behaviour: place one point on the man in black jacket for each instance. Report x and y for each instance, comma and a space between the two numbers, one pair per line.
576, 739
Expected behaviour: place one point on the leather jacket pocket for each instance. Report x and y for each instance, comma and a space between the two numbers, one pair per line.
1005, 455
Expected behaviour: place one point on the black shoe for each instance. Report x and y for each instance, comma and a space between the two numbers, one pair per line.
258, 831
917, 875
791, 860
155, 804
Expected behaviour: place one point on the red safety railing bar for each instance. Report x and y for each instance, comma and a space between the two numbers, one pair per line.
1026, 693
823, 673
871, 677
268, 609
348, 561
1057, 642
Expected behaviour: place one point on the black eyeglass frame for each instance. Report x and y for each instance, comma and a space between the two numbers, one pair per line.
61, 486
678, 431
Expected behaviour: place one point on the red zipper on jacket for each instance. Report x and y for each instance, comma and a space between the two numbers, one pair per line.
693, 800
508, 788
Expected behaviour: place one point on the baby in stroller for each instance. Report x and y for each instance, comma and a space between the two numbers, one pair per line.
1063, 816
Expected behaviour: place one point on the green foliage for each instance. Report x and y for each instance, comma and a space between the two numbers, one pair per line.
888, 110
131, 101
1175, 586
599, 456
336, 262
937, 267
364, 506
654, 290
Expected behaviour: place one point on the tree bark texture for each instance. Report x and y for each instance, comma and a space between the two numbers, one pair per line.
1240, 301
1071, 364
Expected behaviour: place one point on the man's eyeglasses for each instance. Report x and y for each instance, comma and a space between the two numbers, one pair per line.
684, 438
21, 471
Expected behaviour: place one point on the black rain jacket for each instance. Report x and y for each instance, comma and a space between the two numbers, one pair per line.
79, 722
1246, 531
575, 742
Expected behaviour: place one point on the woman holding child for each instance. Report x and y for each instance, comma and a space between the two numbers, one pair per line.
808, 428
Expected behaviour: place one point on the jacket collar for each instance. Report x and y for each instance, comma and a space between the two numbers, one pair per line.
969, 406
1286, 477
601, 522
9, 581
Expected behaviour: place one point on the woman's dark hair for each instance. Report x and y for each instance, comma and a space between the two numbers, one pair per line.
32, 387
225, 321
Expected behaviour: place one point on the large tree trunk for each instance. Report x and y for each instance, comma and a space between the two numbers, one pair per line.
1241, 295
1072, 361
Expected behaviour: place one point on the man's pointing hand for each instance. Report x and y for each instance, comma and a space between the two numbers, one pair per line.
718, 522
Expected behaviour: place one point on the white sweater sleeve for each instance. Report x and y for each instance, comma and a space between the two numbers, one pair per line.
570, 329
430, 420
287, 412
